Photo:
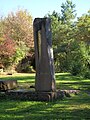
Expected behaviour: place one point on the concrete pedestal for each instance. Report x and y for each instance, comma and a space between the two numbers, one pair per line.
34, 96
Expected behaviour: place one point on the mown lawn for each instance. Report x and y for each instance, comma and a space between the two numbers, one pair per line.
76, 107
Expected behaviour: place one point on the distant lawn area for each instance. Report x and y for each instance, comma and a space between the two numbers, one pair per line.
76, 107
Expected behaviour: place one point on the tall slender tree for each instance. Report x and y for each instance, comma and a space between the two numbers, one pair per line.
68, 12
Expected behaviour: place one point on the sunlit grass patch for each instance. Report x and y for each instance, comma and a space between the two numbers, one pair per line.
77, 107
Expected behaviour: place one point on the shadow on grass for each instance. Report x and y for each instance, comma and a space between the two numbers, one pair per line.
67, 81
74, 108
67, 76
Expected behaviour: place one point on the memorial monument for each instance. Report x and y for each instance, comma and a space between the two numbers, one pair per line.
45, 74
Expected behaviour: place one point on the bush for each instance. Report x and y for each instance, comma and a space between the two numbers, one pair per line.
87, 74
25, 65
73, 58
80, 60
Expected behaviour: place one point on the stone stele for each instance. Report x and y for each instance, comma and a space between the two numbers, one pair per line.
45, 76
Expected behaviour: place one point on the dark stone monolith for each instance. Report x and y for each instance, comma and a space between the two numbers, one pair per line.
45, 76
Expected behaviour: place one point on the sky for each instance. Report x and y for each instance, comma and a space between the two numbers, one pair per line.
39, 8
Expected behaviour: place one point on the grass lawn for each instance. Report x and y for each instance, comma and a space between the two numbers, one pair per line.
76, 107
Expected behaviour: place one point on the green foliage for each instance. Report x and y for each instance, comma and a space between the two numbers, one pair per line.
78, 57
20, 53
74, 58
68, 10
25, 67
83, 28
18, 29
71, 40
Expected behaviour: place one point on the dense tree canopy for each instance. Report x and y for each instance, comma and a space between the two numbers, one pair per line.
83, 25
16, 38
71, 40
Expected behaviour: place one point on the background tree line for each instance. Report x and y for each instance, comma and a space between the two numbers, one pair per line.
16, 40
71, 40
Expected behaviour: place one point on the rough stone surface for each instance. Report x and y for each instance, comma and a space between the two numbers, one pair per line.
34, 96
7, 84
23, 94
45, 76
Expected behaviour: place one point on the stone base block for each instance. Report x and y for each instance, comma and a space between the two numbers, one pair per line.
7, 85
34, 96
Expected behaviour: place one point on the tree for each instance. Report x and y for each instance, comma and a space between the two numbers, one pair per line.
19, 29
68, 12
83, 26
63, 28
7, 47
7, 50
71, 41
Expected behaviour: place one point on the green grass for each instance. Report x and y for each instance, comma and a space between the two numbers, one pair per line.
76, 107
